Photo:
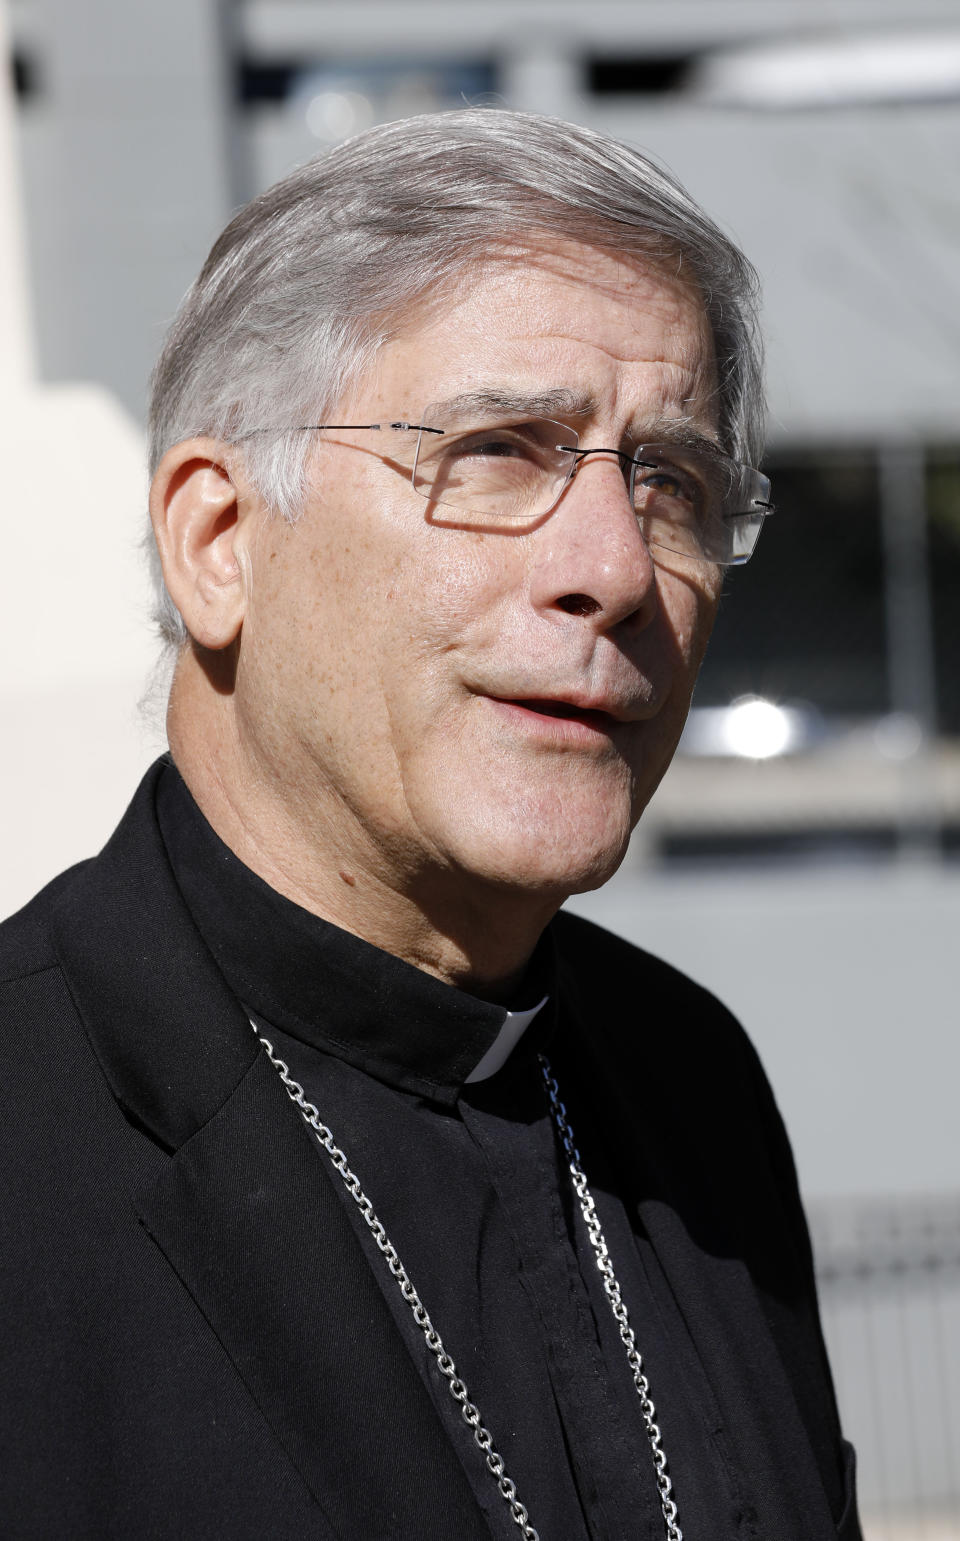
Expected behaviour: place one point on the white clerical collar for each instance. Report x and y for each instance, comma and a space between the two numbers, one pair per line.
506, 1041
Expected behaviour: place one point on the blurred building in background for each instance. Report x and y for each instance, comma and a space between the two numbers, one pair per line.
802, 857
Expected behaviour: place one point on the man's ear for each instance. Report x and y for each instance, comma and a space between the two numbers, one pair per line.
196, 511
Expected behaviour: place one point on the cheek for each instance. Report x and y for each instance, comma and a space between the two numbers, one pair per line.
450, 591
378, 628
690, 609
309, 631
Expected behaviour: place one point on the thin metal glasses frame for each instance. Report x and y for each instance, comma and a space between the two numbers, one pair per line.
758, 507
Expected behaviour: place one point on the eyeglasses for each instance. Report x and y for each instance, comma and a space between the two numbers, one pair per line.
692, 501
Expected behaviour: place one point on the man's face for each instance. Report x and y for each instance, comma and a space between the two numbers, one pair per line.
492, 705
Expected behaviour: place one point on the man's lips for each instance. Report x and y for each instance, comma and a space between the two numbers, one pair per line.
591, 717
586, 722
604, 707
575, 713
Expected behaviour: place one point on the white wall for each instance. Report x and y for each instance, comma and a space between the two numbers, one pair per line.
74, 648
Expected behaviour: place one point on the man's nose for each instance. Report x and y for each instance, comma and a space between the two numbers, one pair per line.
592, 559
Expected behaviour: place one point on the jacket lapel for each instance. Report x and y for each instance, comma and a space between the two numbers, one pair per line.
248, 1217
244, 1210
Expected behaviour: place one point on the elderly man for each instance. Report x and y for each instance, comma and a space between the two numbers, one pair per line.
356, 1192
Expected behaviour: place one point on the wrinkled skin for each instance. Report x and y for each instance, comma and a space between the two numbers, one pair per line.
434, 734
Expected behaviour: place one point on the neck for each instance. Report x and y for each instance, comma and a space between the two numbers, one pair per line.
475, 935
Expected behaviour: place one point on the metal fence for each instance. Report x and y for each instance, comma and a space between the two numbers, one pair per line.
889, 1276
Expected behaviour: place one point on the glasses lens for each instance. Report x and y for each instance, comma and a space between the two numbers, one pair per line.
506, 470
698, 504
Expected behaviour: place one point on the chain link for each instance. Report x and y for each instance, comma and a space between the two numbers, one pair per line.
612, 1290
457, 1387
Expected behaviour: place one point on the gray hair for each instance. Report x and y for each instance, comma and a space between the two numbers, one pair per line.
309, 279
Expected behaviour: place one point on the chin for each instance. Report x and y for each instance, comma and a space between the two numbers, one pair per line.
552, 857
596, 875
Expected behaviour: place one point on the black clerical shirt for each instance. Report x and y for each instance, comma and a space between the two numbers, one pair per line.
471, 1186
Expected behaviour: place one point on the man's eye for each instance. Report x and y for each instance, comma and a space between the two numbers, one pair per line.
669, 482
491, 446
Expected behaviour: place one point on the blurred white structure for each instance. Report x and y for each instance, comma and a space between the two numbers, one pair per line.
74, 646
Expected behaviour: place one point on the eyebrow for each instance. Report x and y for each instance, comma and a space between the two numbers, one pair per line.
561, 402
681, 431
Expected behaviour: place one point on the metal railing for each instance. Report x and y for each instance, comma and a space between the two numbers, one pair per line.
889, 1279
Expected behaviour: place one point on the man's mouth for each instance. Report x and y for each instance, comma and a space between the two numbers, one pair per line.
589, 716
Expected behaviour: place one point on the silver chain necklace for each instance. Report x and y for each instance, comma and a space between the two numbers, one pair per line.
455, 1385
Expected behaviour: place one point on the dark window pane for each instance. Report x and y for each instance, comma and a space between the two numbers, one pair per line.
943, 503
25, 75
637, 76
805, 620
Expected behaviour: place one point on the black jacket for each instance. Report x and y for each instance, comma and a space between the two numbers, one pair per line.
193, 1344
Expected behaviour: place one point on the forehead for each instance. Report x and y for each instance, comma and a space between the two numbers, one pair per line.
606, 337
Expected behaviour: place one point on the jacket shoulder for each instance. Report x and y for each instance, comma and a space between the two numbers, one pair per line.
651, 1024
79, 898
615, 976
26, 946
